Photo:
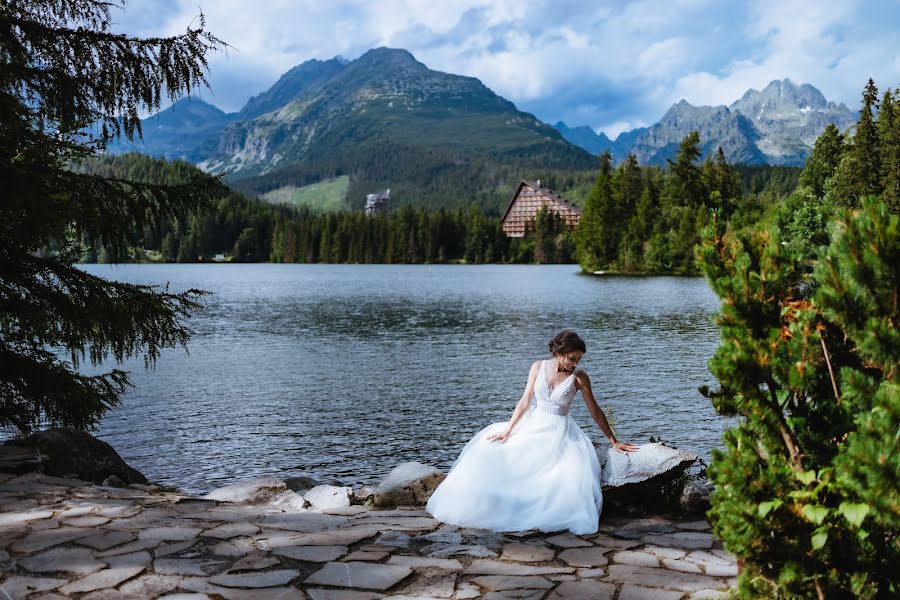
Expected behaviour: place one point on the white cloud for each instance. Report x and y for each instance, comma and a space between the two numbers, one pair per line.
608, 61
612, 130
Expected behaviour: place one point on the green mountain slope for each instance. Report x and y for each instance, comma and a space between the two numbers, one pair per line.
386, 120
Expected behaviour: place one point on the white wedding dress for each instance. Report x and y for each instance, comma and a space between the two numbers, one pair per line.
546, 476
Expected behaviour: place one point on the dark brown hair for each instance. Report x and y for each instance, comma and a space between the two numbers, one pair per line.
566, 341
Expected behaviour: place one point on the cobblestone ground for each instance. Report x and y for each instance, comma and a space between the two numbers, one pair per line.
63, 538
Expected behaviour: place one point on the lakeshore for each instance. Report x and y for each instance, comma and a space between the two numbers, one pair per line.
67, 538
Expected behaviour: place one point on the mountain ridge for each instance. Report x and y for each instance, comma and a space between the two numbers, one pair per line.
777, 125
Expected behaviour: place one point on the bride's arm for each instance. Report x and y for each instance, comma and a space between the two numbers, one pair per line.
521, 407
583, 383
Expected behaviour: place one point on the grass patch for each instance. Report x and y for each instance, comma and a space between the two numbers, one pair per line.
324, 196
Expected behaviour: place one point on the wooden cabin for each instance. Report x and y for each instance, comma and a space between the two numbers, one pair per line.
528, 200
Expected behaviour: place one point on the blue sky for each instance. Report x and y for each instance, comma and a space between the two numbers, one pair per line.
610, 65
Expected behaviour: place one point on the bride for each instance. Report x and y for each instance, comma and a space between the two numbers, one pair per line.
539, 470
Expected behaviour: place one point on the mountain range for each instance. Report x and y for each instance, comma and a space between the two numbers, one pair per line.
775, 126
385, 120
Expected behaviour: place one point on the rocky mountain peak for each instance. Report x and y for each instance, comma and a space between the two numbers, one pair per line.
391, 59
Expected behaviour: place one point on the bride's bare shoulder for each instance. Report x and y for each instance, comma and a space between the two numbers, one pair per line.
581, 376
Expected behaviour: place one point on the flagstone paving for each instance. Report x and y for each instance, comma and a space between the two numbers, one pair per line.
64, 538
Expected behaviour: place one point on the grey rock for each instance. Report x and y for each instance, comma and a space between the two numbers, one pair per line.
114, 481
419, 562
496, 567
585, 557
256, 580
312, 553
169, 534
411, 483
433, 583
74, 560
359, 575
301, 485
684, 539
567, 540
636, 558
637, 592
65, 451
695, 497
323, 594
500, 583
664, 578
230, 530
106, 539
262, 490
106, 578
364, 493
254, 562
150, 586
17, 586
588, 589
183, 566
520, 552
45, 538
324, 497
681, 565
650, 461
475, 550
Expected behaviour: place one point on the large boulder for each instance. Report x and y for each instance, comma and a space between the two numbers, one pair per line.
325, 497
409, 484
301, 484
642, 477
262, 490
63, 451
695, 497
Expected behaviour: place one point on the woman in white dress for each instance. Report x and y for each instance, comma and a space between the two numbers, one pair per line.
539, 470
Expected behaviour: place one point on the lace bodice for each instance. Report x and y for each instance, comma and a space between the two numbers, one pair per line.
556, 400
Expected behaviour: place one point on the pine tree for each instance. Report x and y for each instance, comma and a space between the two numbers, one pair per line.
592, 230
807, 490
859, 172
684, 184
865, 144
823, 160
889, 140
67, 86
627, 188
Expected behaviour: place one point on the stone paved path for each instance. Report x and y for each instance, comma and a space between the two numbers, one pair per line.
63, 538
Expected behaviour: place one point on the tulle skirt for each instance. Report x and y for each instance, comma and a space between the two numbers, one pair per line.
545, 477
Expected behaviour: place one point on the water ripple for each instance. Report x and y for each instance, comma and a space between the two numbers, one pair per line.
343, 371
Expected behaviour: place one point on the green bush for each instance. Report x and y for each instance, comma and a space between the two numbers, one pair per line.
807, 489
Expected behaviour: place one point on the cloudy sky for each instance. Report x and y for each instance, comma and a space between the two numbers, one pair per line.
612, 65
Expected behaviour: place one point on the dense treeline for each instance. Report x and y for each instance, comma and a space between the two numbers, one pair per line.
645, 220
842, 169
234, 225
248, 230
409, 235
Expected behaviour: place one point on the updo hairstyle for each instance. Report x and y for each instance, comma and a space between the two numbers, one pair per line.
566, 341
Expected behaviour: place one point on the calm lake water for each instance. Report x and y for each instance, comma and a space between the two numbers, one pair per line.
341, 372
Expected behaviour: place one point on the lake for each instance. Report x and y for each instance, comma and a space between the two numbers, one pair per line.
341, 372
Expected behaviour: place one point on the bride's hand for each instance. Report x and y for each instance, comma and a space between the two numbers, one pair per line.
623, 447
501, 437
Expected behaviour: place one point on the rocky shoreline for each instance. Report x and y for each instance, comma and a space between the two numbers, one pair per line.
67, 538
267, 538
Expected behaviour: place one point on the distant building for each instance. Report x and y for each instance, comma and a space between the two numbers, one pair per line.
376, 204
528, 200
